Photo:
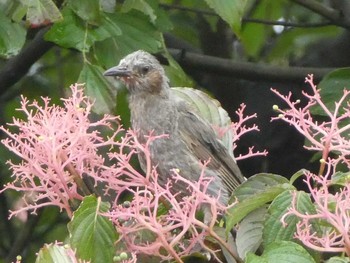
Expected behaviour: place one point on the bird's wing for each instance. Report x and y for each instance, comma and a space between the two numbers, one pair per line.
201, 139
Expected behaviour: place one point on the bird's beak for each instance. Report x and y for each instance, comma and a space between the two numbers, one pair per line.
117, 71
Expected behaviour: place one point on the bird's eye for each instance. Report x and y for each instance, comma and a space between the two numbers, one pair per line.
145, 70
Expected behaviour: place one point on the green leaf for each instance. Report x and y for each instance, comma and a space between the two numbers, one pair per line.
229, 240
249, 233
42, 12
260, 183
283, 252
184, 20
111, 25
254, 193
87, 10
331, 90
19, 13
255, 35
273, 229
108, 6
140, 5
175, 73
294, 43
338, 260
229, 10
73, 32
341, 178
13, 9
163, 22
12, 37
6, 6
136, 33
296, 175
98, 88
252, 258
209, 109
108, 52
91, 234
53, 253
122, 107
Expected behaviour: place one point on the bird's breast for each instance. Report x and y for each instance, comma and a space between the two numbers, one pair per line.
153, 115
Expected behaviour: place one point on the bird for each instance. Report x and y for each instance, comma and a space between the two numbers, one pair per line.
190, 140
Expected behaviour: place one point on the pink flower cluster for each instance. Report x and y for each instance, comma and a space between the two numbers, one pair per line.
57, 146
332, 209
60, 146
326, 136
156, 222
330, 135
156, 213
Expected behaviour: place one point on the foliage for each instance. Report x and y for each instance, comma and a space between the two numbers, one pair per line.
59, 146
156, 222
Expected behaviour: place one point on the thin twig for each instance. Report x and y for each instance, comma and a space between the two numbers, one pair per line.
286, 23
336, 16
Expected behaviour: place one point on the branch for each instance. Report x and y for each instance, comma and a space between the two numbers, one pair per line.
324, 11
285, 23
189, 9
246, 70
19, 65
336, 16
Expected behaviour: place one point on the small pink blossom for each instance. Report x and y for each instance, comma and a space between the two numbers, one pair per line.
239, 129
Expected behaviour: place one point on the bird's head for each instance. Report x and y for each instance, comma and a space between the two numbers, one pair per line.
140, 72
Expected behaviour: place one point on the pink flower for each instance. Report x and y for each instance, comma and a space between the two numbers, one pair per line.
239, 129
61, 146
332, 213
120, 175
57, 146
324, 136
332, 210
157, 222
